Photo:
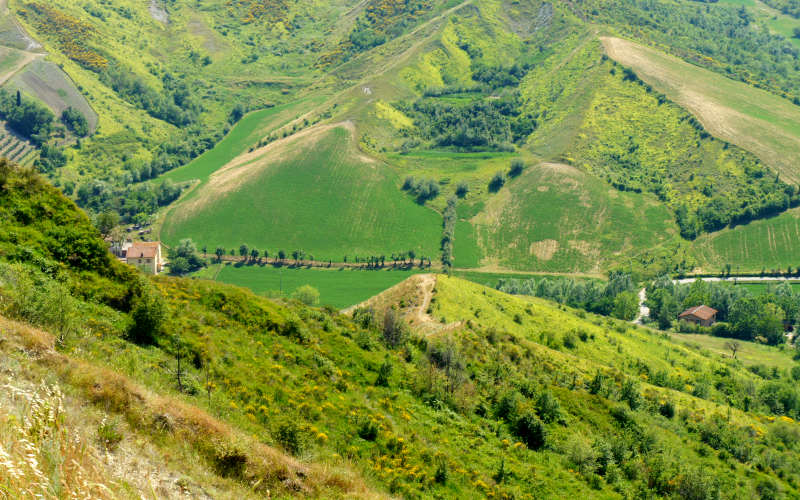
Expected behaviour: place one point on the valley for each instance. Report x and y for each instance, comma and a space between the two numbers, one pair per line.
399, 249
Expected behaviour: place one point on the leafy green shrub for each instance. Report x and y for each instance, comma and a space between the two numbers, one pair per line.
148, 315
548, 407
384, 372
630, 394
290, 437
517, 167
307, 294
497, 182
531, 431
442, 472
667, 409
367, 430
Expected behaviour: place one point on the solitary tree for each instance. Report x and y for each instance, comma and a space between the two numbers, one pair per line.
243, 250
734, 347
219, 252
281, 255
254, 254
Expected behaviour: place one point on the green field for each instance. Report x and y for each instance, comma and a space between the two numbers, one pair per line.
750, 353
761, 287
318, 195
245, 134
337, 287
764, 244
557, 218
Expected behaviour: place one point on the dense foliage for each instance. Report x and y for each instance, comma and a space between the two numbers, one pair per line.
616, 297
741, 314
27, 117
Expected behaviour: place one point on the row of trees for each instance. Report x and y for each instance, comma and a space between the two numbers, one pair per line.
741, 313
617, 297
253, 256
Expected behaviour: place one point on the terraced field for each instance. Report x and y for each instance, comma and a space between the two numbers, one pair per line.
16, 149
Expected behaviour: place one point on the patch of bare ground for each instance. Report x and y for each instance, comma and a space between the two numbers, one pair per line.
544, 250
412, 299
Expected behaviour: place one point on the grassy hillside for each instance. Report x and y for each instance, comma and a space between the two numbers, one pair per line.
557, 218
313, 192
751, 118
760, 245
486, 395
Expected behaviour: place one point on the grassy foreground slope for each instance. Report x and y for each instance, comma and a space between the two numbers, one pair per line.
488, 395
313, 191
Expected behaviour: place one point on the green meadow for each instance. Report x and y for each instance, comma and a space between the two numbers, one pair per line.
750, 353
763, 244
319, 196
245, 134
337, 287
555, 218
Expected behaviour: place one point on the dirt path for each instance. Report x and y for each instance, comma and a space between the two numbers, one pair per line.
25, 59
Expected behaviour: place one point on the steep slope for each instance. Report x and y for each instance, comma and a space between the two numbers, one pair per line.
510, 397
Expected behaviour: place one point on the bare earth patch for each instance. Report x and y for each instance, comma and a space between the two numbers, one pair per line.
544, 250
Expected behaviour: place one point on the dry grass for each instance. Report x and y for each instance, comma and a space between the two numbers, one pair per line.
259, 470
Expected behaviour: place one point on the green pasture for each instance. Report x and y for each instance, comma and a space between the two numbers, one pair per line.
245, 134
319, 197
750, 353
759, 288
555, 218
340, 287
763, 244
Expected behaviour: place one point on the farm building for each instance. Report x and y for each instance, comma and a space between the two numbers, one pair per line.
145, 256
699, 315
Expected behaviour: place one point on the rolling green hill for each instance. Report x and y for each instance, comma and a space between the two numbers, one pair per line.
313, 192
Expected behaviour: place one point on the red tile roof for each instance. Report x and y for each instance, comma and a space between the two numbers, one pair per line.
701, 312
143, 249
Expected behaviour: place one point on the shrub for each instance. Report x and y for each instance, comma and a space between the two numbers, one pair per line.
442, 473
570, 341
148, 314
497, 182
517, 166
667, 409
462, 189
531, 431
548, 407
289, 436
367, 430
307, 294
109, 434
384, 372
630, 394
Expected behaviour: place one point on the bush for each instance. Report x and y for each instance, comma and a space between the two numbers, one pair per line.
384, 372
289, 436
531, 431
109, 434
517, 166
497, 182
462, 189
75, 121
307, 294
667, 409
148, 314
367, 430
548, 407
